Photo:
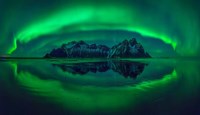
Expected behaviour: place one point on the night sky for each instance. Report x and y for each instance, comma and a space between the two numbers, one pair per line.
30, 28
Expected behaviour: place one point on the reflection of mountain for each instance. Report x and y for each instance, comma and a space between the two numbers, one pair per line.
126, 69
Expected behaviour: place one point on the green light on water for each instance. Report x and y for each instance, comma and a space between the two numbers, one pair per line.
83, 97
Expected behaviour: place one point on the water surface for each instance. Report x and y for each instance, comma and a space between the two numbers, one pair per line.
98, 86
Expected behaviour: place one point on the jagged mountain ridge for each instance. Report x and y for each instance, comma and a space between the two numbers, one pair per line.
128, 49
80, 49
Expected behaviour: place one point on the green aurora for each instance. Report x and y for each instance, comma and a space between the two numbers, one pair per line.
41, 26
166, 28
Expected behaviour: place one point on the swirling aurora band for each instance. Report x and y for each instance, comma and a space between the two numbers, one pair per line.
173, 22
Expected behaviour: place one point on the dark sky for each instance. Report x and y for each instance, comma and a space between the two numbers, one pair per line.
164, 27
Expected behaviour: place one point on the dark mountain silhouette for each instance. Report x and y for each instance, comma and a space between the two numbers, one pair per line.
125, 49
128, 49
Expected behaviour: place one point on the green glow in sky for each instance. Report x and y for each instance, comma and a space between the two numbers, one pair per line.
91, 19
173, 22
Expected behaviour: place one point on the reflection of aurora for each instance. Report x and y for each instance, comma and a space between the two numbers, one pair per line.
177, 89
80, 97
174, 22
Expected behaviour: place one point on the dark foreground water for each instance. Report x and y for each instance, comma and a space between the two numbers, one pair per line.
94, 86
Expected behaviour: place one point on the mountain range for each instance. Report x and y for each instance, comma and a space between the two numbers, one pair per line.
79, 49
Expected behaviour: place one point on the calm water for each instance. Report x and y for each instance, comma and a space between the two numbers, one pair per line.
57, 87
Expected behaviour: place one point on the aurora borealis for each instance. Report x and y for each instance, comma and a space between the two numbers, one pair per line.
166, 84
30, 28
